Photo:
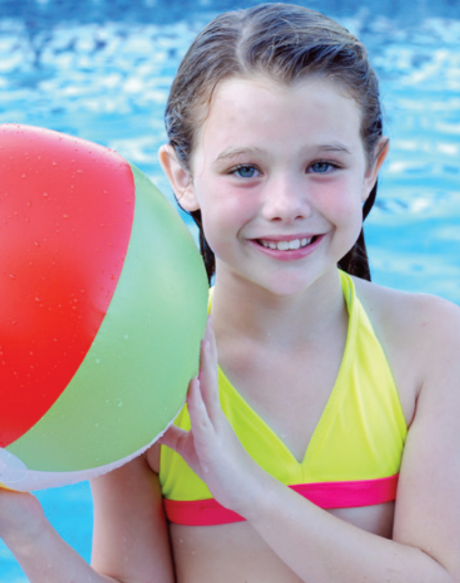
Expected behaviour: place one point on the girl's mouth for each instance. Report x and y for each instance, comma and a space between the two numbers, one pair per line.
287, 245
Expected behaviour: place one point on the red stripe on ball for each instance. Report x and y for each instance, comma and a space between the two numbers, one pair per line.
66, 213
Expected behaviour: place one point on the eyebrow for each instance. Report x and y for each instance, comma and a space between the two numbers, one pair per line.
334, 148
234, 152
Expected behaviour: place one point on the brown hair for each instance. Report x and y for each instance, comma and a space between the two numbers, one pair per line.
285, 43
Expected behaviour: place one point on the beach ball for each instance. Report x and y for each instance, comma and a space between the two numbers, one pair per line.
103, 301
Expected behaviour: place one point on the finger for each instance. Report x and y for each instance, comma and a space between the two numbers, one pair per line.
204, 435
212, 339
208, 375
202, 425
173, 437
209, 387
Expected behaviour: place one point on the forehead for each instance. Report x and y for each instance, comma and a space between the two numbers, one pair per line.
261, 110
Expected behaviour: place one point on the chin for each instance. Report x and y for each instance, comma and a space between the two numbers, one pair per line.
292, 284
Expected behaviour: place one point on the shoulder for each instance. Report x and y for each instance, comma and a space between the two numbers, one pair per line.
420, 334
423, 318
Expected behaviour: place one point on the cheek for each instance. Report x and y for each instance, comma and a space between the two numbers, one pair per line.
217, 222
224, 210
224, 225
209, 229
341, 201
351, 217
342, 206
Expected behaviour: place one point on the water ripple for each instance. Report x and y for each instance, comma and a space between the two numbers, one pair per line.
108, 81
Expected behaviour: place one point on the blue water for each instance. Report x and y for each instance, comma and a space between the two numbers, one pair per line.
101, 70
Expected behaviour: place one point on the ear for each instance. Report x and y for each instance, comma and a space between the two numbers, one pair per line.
179, 178
372, 172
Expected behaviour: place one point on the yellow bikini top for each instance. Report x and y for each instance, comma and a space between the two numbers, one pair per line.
353, 457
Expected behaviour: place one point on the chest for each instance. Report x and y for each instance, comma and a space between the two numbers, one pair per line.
330, 413
289, 390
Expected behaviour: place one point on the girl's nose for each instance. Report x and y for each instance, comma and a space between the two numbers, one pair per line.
286, 200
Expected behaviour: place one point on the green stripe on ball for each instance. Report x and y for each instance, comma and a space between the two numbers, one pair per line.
134, 378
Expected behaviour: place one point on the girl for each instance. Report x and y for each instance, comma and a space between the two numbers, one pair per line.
323, 447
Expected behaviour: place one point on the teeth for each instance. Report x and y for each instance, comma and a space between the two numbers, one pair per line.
286, 245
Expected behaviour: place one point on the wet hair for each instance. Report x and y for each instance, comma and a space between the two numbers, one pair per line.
285, 43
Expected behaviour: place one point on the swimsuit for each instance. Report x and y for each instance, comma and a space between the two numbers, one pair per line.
353, 457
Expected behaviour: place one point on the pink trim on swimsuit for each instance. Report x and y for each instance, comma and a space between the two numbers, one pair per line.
323, 494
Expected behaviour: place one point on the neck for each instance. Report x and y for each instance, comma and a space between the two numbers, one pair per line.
241, 308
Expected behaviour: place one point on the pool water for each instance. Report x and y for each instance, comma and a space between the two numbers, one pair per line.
101, 70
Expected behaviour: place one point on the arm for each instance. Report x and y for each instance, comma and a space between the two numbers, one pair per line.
43, 555
130, 538
318, 546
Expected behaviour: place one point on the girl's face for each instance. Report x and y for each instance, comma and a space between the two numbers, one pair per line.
280, 175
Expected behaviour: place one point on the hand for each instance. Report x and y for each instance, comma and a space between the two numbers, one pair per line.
211, 447
21, 516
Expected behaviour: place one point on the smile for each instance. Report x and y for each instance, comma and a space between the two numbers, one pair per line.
286, 245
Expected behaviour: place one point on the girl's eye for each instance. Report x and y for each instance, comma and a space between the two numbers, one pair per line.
245, 171
321, 167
